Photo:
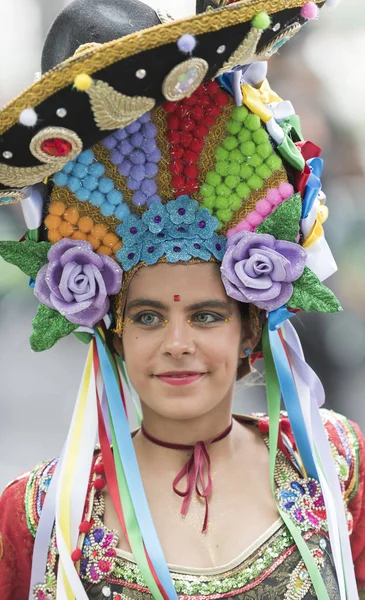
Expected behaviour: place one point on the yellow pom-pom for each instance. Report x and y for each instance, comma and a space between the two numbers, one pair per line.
82, 82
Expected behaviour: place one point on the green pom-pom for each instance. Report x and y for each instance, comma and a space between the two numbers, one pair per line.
255, 160
230, 142
233, 127
222, 168
222, 189
246, 171
221, 153
49, 326
239, 114
263, 171
243, 190
253, 122
248, 148
245, 135
236, 156
222, 202
232, 181
235, 202
255, 182
209, 202
224, 215
213, 178
261, 21
274, 162
234, 168
260, 136
264, 150
206, 189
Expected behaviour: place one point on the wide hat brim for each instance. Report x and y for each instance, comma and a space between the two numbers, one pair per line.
130, 75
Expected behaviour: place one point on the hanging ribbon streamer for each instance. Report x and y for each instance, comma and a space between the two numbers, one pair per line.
273, 399
122, 440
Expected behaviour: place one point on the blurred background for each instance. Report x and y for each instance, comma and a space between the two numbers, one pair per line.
321, 71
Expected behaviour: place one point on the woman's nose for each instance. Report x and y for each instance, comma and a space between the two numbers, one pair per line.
178, 338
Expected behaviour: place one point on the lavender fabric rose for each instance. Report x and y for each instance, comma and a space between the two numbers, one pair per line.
259, 269
77, 282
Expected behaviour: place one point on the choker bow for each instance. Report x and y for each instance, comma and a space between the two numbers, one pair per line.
196, 471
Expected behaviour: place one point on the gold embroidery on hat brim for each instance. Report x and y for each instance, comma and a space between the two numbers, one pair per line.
113, 110
170, 87
244, 52
111, 52
270, 49
12, 195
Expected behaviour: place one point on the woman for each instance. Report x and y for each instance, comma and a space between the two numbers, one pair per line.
200, 215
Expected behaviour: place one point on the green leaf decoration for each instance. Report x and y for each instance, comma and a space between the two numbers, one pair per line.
83, 336
29, 256
283, 223
49, 326
311, 295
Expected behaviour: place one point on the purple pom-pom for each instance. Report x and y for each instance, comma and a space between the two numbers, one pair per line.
133, 184
150, 145
125, 147
139, 198
116, 157
120, 134
145, 118
125, 168
138, 172
186, 43
137, 140
149, 130
154, 198
110, 142
154, 156
133, 127
151, 169
138, 157
149, 187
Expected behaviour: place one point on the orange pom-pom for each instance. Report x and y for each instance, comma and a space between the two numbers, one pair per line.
52, 222
85, 224
110, 240
66, 229
54, 236
56, 208
93, 241
79, 235
117, 247
71, 215
105, 250
99, 231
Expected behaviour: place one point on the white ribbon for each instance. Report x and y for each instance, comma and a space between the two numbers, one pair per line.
32, 205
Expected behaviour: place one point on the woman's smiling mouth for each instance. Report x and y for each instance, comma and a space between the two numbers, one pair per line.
178, 378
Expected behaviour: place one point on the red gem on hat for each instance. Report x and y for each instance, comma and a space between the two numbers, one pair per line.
56, 147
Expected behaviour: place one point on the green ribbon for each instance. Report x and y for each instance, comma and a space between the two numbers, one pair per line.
273, 401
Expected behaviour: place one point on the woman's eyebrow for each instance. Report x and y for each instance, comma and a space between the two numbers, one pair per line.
140, 302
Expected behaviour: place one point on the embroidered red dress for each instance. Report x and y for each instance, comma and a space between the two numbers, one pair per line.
271, 568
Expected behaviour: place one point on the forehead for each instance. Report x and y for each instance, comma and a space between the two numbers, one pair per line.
191, 281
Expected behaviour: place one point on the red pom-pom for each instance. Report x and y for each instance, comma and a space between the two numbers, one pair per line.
176, 167
187, 124
99, 483
186, 138
99, 469
201, 131
197, 112
173, 122
208, 121
190, 101
177, 152
221, 99
200, 91
212, 87
84, 526
76, 555
190, 157
170, 107
173, 137
204, 100
178, 181
191, 171
197, 145
214, 110
192, 185
182, 111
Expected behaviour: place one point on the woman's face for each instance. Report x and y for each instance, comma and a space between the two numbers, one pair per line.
182, 339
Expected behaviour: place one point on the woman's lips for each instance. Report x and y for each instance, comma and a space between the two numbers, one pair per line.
179, 377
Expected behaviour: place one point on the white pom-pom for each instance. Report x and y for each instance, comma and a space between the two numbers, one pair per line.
186, 43
332, 3
28, 117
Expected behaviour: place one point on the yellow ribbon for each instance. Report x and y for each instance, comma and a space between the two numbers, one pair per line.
317, 230
256, 99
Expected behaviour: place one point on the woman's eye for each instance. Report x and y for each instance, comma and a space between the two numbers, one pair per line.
148, 319
207, 318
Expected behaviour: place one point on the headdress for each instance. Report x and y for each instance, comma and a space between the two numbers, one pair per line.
168, 144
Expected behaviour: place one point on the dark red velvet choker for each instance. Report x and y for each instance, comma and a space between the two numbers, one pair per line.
196, 471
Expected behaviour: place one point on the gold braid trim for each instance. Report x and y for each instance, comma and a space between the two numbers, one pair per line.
163, 177
249, 205
130, 45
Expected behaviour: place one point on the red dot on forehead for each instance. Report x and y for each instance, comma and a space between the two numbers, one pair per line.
176, 298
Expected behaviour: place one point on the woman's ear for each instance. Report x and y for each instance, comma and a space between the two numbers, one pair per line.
249, 339
118, 345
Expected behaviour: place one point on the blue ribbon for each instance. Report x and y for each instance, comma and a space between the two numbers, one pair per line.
288, 389
313, 186
132, 474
